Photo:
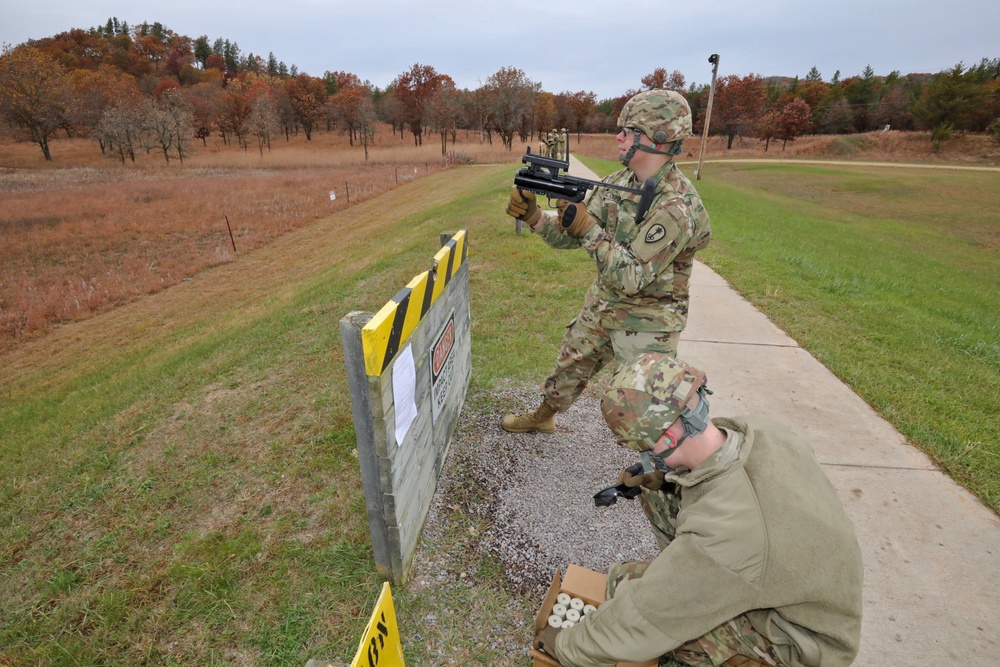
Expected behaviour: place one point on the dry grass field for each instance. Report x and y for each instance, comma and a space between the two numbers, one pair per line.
85, 233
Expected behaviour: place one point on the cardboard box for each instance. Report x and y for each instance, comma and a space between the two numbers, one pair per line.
582, 583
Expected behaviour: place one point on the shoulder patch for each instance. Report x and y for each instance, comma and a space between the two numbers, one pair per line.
655, 233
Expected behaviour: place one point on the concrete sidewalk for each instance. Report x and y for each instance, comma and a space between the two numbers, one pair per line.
931, 549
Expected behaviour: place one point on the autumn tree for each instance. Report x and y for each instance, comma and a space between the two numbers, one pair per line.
414, 89
92, 93
813, 92
545, 112
121, 124
168, 123
339, 80
390, 109
204, 100
34, 94
146, 55
836, 116
347, 100
581, 104
659, 79
767, 128
306, 94
179, 60
157, 126
367, 119
697, 98
445, 109
283, 107
893, 109
263, 118
234, 109
76, 48
510, 95
793, 120
739, 102
482, 110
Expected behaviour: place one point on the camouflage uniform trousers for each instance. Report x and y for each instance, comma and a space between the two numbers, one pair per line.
587, 347
733, 643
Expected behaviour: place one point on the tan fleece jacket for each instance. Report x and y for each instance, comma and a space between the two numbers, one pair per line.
764, 535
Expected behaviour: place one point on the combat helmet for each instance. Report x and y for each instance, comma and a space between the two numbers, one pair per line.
647, 395
664, 116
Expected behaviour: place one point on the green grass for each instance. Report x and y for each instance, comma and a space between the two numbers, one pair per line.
891, 278
179, 484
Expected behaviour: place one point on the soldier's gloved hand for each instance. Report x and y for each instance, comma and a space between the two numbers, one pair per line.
545, 640
522, 205
574, 218
651, 480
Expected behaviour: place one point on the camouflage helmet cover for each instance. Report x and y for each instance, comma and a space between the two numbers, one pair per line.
647, 396
662, 115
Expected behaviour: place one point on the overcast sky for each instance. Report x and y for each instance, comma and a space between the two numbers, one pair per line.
566, 45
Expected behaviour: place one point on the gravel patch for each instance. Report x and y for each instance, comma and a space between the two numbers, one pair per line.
536, 494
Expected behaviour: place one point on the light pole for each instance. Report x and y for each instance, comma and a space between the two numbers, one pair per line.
714, 59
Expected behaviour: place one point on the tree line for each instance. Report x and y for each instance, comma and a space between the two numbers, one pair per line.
148, 88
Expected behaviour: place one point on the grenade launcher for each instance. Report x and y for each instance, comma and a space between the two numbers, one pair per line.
542, 176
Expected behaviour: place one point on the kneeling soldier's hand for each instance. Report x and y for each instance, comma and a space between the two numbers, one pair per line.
650, 480
574, 218
522, 206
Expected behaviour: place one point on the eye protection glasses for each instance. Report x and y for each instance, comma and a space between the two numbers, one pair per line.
609, 496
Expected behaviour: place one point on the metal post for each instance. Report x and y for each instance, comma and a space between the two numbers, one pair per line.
714, 59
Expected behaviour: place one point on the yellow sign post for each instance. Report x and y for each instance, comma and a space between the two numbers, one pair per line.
381, 646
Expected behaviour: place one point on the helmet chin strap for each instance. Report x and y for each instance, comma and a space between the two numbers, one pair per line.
636, 133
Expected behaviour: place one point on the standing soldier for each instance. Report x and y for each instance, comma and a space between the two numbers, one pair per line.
563, 144
639, 300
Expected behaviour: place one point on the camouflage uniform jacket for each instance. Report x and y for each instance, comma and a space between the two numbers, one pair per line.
643, 271
761, 532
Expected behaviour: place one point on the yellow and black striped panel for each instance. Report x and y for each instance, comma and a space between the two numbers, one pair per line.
386, 333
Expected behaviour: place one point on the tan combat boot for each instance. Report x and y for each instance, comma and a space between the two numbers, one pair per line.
542, 420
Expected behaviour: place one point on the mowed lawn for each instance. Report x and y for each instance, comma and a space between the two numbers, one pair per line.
179, 483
